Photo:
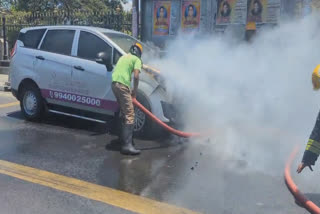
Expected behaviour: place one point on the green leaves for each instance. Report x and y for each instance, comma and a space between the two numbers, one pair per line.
90, 6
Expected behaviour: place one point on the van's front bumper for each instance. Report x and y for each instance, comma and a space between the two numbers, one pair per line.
170, 112
161, 106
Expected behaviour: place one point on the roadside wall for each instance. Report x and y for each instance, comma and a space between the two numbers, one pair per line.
209, 21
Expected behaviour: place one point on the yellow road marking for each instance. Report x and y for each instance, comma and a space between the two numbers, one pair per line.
88, 190
9, 104
6, 94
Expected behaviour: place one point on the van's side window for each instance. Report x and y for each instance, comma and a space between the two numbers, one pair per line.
32, 38
116, 56
90, 45
58, 41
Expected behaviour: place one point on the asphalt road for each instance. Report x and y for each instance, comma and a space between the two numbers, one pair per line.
170, 170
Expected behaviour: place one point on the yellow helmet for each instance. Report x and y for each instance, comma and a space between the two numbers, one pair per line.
140, 46
136, 49
316, 78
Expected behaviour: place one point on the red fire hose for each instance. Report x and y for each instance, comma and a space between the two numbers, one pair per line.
168, 128
300, 197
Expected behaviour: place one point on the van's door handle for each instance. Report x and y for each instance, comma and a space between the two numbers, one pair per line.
79, 68
40, 57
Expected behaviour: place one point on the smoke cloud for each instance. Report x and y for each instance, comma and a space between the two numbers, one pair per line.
257, 98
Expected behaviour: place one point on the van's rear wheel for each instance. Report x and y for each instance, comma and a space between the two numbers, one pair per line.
31, 103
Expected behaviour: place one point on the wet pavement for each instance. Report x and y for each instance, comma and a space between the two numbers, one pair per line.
178, 172
23, 197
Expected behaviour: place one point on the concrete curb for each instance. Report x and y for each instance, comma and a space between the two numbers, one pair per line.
5, 63
299, 196
4, 82
4, 70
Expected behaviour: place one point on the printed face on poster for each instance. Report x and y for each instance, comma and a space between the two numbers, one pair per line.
257, 11
232, 12
224, 13
161, 18
190, 15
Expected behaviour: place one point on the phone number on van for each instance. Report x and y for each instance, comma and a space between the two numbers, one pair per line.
75, 98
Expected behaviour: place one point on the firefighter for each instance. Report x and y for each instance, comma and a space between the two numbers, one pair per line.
121, 87
312, 151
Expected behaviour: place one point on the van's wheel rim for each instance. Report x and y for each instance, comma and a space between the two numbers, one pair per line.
139, 120
30, 103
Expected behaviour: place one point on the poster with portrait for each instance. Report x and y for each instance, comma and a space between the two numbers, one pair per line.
306, 7
264, 11
161, 17
315, 6
257, 11
190, 15
231, 12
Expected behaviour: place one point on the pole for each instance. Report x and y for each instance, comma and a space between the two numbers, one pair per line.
142, 20
5, 53
135, 10
138, 18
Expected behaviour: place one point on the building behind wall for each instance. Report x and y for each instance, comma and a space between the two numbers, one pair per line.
163, 20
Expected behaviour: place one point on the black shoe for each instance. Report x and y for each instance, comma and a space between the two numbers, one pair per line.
127, 147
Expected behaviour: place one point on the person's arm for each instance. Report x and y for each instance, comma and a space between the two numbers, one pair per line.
312, 151
309, 159
136, 73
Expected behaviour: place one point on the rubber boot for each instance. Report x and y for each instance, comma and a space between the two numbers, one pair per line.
127, 148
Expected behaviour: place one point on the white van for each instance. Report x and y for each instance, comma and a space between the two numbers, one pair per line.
55, 69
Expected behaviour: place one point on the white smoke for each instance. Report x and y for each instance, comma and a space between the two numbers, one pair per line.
257, 97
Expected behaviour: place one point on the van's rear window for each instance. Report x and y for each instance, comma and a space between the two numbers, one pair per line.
31, 38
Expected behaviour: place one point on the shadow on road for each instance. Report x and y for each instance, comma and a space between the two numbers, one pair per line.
315, 198
71, 123
115, 145
15, 114
96, 129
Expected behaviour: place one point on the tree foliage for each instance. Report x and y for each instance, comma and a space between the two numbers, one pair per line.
67, 5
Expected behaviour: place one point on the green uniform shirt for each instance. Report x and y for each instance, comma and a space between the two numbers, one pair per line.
123, 70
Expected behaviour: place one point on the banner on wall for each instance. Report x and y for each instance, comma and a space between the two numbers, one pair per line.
190, 15
161, 17
306, 7
231, 12
315, 5
264, 11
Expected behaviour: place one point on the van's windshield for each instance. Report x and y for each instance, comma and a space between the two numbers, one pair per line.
125, 41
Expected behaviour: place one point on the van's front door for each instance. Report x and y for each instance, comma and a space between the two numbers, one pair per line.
93, 79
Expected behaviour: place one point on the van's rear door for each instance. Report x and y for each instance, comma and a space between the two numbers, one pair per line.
25, 52
53, 64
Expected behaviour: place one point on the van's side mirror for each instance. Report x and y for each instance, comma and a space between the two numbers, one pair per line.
105, 59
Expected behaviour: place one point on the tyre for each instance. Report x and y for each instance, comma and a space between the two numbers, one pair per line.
31, 102
143, 125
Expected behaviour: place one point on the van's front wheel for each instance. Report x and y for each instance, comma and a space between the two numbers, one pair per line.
143, 125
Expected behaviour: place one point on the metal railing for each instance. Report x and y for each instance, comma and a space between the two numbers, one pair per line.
12, 24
